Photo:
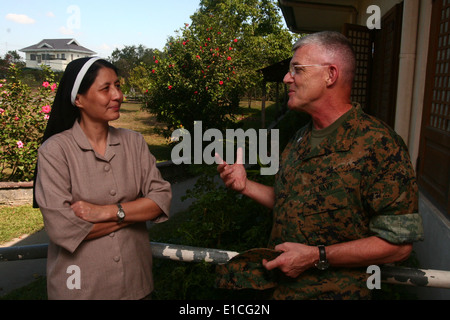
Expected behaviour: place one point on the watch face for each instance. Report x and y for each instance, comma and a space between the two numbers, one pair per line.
322, 266
121, 214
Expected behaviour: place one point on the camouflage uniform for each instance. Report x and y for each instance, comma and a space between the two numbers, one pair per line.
357, 183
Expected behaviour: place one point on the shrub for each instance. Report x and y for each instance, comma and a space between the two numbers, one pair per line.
23, 117
219, 218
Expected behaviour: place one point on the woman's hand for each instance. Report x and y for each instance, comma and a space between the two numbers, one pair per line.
93, 213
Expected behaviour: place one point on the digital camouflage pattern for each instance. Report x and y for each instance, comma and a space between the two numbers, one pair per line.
357, 183
245, 271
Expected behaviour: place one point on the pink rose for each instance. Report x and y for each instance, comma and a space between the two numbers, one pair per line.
19, 144
45, 84
46, 109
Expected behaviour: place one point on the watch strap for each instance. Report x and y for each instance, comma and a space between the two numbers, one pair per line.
322, 264
322, 253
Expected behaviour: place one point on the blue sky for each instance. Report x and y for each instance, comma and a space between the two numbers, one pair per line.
98, 25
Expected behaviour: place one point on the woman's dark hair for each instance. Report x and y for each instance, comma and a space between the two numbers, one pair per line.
64, 113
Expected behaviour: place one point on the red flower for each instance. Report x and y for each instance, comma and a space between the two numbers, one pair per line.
170, 87
235, 40
156, 61
221, 82
153, 71
46, 109
229, 58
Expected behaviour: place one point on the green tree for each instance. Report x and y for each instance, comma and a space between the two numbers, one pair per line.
208, 66
11, 57
128, 59
139, 79
197, 80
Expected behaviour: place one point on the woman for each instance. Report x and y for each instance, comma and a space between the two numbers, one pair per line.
96, 186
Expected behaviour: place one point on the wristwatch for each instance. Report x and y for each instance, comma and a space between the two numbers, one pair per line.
322, 264
120, 213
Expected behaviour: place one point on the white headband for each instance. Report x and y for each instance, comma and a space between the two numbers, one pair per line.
80, 76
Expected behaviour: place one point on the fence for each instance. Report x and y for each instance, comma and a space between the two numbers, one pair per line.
389, 274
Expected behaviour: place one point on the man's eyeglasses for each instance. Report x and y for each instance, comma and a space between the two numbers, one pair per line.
295, 68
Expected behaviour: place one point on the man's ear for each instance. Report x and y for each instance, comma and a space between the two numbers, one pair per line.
333, 75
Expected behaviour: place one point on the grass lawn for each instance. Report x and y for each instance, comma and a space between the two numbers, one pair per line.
18, 221
132, 117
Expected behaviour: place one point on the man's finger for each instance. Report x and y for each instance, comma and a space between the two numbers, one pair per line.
240, 156
219, 160
270, 265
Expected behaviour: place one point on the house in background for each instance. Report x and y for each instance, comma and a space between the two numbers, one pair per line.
403, 78
55, 53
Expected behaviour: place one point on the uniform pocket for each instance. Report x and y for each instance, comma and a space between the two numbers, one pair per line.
324, 198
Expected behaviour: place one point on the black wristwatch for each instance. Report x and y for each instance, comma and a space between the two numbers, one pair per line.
120, 213
322, 264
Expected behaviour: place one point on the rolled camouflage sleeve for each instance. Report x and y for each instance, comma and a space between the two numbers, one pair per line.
393, 195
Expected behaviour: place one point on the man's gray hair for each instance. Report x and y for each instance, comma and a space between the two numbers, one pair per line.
337, 47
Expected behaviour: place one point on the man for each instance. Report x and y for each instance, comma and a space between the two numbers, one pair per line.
345, 196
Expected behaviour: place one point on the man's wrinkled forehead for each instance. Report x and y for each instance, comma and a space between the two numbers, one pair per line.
308, 54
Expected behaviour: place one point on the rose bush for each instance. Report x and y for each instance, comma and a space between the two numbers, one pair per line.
210, 65
23, 117
195, 79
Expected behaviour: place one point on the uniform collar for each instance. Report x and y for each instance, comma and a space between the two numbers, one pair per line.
83, 142
340, 140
